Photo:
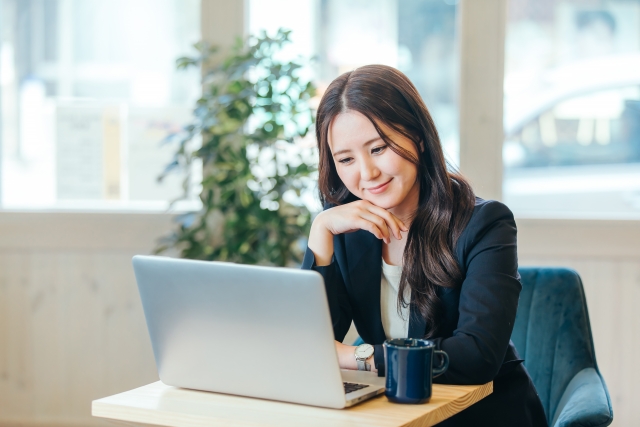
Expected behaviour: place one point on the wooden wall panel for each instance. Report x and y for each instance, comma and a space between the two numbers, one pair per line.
73, 330
72, 327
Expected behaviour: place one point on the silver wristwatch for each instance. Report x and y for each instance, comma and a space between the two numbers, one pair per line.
362, 353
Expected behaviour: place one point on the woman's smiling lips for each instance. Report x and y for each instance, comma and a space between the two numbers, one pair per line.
380, 188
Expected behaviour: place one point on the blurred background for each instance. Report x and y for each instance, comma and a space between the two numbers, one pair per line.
89, 87
536, 101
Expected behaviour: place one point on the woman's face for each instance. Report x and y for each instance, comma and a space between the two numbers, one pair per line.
369, 168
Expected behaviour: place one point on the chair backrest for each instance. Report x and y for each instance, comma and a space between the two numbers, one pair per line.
552, 332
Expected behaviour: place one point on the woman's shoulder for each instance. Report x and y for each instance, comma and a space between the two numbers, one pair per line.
490, 221
488, 211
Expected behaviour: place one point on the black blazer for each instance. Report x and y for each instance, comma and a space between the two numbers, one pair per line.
477, 319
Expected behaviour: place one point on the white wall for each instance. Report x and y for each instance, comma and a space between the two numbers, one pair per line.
72, 327
71, 323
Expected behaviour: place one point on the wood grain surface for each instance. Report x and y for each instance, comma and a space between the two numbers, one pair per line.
159, 404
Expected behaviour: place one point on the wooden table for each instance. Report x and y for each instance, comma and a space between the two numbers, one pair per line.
159, 404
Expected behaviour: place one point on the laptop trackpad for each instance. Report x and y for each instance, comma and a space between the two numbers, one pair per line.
362, 377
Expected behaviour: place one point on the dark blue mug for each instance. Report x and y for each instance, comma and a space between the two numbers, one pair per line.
409, 368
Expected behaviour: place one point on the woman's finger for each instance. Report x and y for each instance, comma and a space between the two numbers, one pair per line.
372, 228
380, 222
392, 221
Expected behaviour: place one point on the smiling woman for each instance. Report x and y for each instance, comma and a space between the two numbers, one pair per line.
369, 168
407, 250
406, 151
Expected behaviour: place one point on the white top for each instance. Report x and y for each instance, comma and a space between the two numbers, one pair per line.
395, 325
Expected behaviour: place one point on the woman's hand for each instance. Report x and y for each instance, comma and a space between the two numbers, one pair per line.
359, 215
347, 358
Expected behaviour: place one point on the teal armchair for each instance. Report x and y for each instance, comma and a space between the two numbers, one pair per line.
552, 333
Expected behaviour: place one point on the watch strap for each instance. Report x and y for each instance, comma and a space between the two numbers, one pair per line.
363, 365
362, 362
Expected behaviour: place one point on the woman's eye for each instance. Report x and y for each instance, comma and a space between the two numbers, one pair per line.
345, 160
378, 150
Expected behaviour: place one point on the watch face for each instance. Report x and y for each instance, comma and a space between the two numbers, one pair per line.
364, 351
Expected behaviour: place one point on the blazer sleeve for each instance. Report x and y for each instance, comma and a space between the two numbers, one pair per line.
488, 298
337, 297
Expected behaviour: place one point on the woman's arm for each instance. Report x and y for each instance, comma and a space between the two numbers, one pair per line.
359, 215
321, 242
337, 297
488, 298
328, 225
347, 359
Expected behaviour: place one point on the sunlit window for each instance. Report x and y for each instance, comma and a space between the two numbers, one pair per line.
88, 90
416, 36
572, 107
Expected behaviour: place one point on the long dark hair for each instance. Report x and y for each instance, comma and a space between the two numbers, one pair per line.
385, 95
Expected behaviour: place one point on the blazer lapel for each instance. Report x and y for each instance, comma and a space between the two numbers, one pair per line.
364, 252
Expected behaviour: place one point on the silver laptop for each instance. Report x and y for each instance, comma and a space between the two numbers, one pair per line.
252, 331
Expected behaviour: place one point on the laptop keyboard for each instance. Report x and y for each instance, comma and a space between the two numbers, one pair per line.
349, 387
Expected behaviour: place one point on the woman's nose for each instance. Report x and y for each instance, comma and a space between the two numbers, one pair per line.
368, 171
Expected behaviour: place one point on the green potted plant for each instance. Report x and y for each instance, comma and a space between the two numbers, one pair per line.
253, 112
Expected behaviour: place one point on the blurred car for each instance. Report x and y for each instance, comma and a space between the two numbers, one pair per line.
583, 113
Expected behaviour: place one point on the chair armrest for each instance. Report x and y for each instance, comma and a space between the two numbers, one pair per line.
585, 402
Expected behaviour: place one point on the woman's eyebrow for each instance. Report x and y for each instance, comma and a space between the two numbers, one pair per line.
346, 150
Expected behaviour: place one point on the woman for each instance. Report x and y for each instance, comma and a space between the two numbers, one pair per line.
406, 249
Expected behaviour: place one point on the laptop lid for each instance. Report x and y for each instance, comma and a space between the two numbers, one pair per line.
254, 331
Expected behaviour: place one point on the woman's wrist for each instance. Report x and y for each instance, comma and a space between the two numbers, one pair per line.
347, 357
321, 241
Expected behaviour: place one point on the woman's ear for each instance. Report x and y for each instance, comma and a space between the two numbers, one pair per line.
421, 146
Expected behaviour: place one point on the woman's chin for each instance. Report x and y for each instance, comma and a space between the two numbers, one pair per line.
382, 202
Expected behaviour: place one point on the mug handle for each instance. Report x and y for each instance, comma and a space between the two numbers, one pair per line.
443, 366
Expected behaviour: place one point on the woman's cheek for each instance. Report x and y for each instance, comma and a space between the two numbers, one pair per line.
352, 186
